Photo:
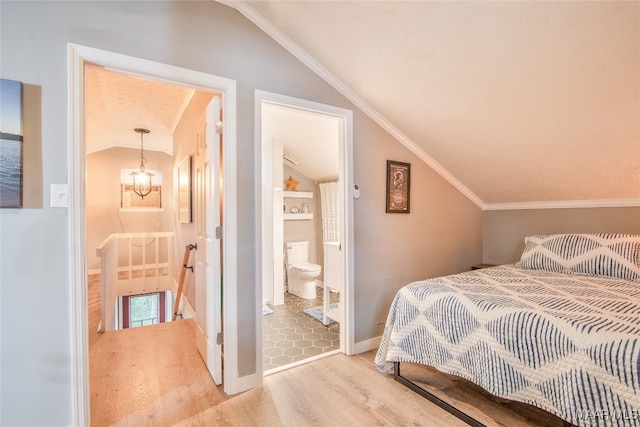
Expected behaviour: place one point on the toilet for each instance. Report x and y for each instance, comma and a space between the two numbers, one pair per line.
301, 275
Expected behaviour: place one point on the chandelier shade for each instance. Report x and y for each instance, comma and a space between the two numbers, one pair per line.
142, 178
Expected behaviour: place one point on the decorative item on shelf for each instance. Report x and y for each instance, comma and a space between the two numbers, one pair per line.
305, 207
142, 179
292, 184
295, 209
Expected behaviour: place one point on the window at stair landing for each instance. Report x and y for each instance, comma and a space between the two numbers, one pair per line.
143, 310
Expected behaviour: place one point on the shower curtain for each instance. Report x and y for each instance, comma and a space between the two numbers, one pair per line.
329, 202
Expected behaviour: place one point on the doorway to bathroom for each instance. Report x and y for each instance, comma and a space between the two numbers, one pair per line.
307, 209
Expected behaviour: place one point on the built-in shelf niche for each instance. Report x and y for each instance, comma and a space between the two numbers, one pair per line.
297, 216
298, 195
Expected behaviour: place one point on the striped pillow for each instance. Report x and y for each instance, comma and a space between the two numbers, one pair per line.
613, 255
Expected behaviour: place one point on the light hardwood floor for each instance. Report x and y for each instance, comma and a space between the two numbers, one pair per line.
154, 376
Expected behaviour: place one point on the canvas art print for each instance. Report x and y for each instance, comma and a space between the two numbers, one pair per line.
398, 186
10, 144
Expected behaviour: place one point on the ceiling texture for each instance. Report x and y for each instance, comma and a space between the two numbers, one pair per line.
118, 103
518, 102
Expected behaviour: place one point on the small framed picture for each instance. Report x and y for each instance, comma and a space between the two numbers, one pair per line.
184, 190
398, 186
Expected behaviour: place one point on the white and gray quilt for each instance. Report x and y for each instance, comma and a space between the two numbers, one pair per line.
566, 343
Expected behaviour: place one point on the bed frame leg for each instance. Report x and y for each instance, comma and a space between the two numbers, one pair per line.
434, 399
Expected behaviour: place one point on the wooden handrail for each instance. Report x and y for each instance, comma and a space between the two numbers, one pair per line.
185, 260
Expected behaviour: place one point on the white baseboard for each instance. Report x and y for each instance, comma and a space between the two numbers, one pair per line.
186, 309
370, 344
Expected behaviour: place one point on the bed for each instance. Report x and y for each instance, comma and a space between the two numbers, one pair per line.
559, 330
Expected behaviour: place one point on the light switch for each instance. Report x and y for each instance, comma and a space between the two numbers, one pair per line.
59, 196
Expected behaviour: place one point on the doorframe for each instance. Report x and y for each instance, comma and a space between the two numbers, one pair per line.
77, 57
265, 208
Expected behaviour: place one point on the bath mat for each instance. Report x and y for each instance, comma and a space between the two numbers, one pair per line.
316, 313
266, 310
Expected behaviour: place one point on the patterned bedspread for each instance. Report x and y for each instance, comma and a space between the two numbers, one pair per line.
566, 343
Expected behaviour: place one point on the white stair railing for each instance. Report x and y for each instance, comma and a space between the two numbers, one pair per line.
132, 264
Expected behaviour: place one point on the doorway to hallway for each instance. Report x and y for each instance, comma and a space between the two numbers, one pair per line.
79, 56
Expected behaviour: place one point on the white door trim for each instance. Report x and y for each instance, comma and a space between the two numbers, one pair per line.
77, 56
265, 207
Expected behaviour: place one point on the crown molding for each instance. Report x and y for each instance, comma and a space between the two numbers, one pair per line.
564, 204
261, 22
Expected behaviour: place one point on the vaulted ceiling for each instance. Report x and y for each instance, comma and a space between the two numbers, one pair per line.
118, 103
513, 102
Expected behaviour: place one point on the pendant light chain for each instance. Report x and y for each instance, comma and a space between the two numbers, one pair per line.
143, 159
142, 179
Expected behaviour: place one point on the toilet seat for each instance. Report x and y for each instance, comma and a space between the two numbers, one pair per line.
307, 267
302, 276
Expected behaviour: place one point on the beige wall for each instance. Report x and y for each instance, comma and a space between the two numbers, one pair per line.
504, 231
103, 197
441, 235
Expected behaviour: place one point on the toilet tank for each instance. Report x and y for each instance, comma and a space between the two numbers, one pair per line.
297, 252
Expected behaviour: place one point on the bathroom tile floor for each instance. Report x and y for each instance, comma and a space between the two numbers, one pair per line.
289, 335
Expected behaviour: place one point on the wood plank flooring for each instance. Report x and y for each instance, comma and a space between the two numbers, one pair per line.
154, 376
149, 376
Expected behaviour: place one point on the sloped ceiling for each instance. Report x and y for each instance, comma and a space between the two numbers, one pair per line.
118, 103
513, 102
309, 140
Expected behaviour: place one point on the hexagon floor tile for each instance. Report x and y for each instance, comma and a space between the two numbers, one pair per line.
289, 335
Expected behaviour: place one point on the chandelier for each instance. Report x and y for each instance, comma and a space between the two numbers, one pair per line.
142, 179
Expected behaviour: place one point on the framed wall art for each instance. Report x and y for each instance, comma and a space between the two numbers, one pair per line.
398, 186
184, 190
11, 144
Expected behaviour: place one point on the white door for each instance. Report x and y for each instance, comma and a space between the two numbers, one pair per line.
208, 263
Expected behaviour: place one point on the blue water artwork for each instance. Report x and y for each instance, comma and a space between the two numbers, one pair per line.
10, 144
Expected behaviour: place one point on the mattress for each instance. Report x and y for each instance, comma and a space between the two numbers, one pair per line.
566, 343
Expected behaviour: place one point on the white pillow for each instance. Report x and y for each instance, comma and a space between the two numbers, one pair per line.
613, 255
